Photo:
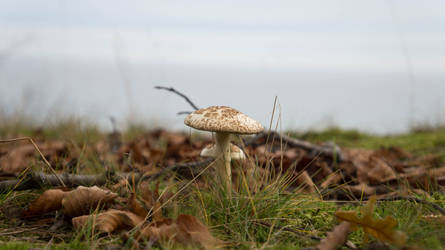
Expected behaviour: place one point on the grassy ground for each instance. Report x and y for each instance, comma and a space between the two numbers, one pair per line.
272, 218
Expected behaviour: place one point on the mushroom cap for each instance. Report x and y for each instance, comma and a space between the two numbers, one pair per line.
222, 119
235, 152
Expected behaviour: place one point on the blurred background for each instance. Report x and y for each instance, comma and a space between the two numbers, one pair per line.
377, 66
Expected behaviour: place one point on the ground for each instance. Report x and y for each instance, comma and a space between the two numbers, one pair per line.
280, 212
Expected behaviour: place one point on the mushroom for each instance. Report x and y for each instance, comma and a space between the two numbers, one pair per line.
235, 152
224, 121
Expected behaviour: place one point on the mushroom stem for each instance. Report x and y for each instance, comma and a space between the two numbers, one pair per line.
224, 170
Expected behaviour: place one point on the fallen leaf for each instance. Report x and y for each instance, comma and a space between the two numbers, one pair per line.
305, 182
15, 160
336, 238
19, 158
382, 229
332, 179
379, 171
136, 207
148, 202
108, 221
198, 233
50, 200
83, 200
186, 229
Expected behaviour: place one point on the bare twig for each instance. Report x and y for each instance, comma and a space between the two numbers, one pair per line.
184, 113
36, 180
19, 231
41, 155
332, 151
180, 94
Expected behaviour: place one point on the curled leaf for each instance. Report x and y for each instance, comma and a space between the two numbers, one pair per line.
149, 202
50, 200
186, 229
84, 199
108, 221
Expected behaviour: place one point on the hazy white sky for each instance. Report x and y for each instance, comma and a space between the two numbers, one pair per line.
243, 43
321, 35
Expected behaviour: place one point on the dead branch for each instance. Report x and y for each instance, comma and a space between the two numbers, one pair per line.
181, 95
38, 179
332, 151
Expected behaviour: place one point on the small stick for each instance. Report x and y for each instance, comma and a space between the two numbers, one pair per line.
180, 94
329, 151
184, 113
35, 180
40, 153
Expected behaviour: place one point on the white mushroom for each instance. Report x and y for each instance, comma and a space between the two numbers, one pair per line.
235, 152
224, 121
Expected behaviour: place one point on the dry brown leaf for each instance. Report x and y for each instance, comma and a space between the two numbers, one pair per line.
382, 229
186, 229
108, 221
198, 233
149, 202
332, 179
379, 171
20, 157
175, 139
369, 166
306, 183
157, 211
15, 160
50, 200
162, 230
336, 238
83, 200
136, 207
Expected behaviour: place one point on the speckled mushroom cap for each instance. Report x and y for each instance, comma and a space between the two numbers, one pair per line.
222, 119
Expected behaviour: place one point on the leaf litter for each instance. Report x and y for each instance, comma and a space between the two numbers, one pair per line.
359, 174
